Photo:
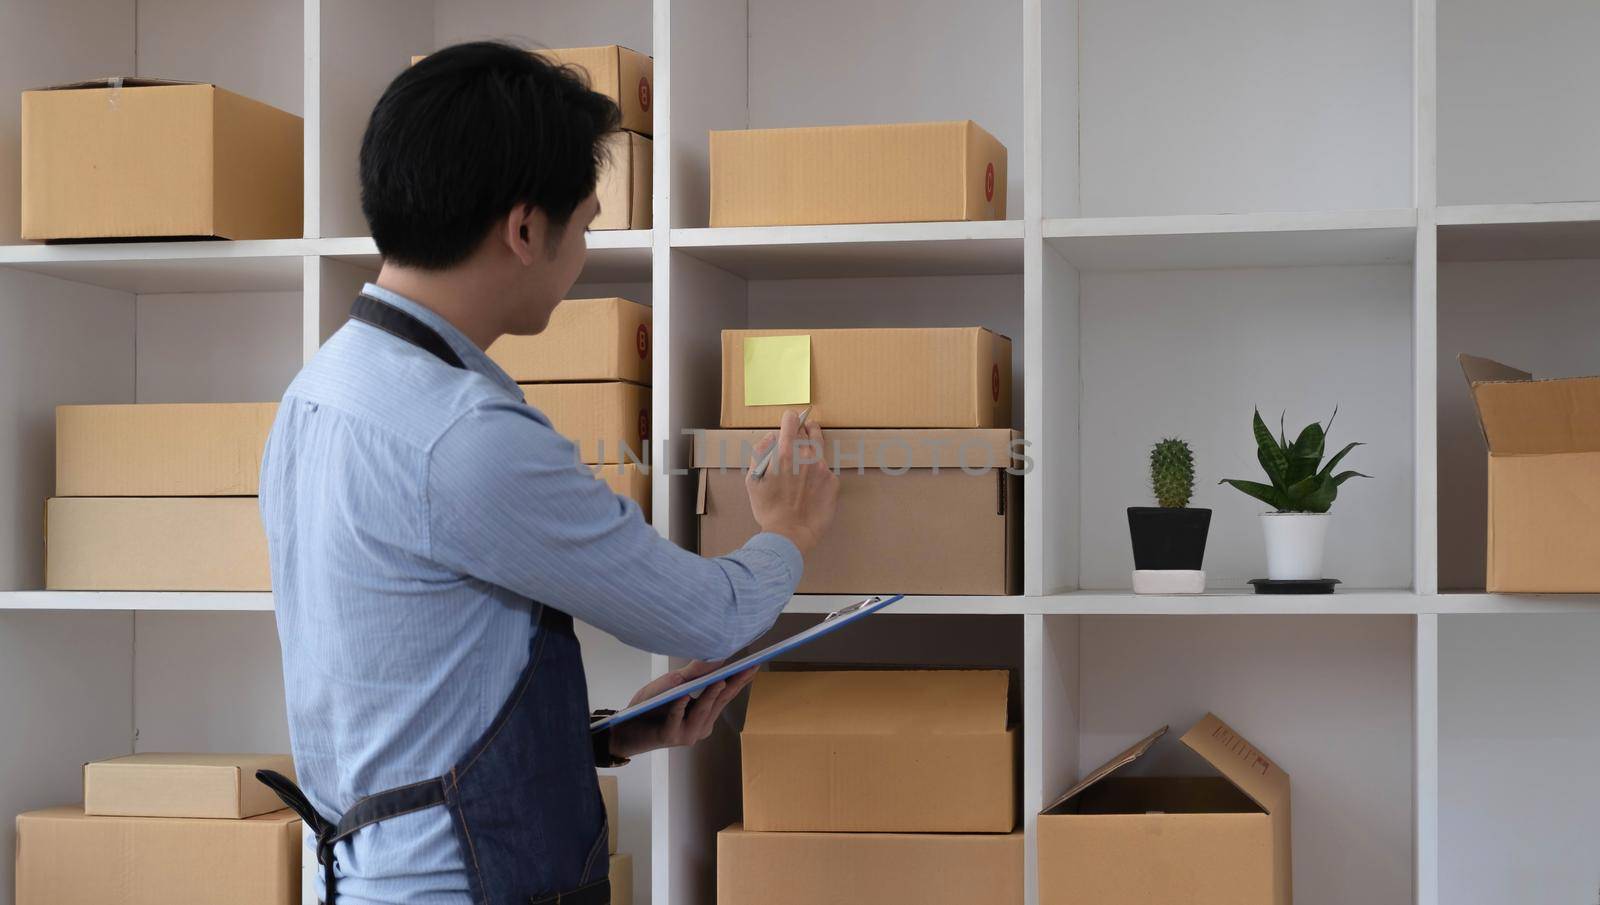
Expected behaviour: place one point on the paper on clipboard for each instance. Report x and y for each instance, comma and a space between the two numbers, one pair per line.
831, 623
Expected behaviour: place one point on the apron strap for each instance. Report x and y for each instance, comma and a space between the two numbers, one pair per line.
401, 324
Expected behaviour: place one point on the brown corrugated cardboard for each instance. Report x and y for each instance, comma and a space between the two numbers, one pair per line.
905, 172
67, 858
881, 868
913, 377
1544, 478
623, 184
587, 339
161, 450
630, 480
144, 158
950, 532
626, 76
609, 421
182, 785
155, 544
1202, 840
886, 751
621, 879
608, 794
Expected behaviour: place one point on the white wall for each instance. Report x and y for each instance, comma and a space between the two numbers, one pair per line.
246, 46
1191, 353
1516, 100
1519, 738
1252, 105
1327, 698
1540, 316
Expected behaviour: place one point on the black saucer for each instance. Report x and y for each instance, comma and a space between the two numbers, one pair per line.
1304, 586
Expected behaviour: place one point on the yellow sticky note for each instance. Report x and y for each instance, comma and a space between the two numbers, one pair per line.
777, 370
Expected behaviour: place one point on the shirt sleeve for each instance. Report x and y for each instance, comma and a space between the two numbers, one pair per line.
507, 504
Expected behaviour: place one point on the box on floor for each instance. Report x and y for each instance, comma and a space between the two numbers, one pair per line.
203, 449
146, 158
903, 492
609, 422
909, 377
881, 868
1544, 478
1201, 840
906, 172
67, 858
893, 751
155, 544
182, 785
587, 339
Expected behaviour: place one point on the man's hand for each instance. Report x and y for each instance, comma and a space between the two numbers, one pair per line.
797, 496
684, 721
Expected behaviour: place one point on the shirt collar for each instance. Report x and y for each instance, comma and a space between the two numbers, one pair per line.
471, 356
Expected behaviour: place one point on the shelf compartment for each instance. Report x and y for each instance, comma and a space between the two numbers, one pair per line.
1519, 232
858, 250
256, 265
1235, 240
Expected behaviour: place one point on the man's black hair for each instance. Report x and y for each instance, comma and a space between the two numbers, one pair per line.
467, 134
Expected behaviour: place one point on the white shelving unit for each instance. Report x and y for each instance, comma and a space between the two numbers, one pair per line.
1213, 208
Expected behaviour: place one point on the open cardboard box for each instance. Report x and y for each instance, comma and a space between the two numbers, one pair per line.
1199, 840
1544, 478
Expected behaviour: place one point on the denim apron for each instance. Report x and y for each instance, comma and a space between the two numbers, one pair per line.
524, 800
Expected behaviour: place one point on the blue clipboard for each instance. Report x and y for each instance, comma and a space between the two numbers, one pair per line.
834, 621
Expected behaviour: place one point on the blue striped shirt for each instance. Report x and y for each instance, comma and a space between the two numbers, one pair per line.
414, 513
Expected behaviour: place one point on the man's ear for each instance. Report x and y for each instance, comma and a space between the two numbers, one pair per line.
523, 233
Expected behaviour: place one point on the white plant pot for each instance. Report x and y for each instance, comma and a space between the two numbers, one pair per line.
1294, 544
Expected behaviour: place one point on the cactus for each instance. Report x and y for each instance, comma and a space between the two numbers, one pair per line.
1172, 473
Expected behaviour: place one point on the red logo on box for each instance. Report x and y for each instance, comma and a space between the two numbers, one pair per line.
641, 340
988, 183
644, 424
994, 382
644, 94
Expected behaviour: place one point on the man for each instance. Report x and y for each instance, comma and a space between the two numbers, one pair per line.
432, 538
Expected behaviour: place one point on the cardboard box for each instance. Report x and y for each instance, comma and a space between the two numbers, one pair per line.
1544, 478
67, 858
154, 158
1201, 840
587, 339
920, 377
610, 422
903, 524
623, 184
626, 76
631, 481
182, 785
910, 172
608, 794
155, 544
161, 450
621, 879
880, 868
880, 751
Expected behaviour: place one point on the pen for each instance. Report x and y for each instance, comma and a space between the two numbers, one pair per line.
760, 468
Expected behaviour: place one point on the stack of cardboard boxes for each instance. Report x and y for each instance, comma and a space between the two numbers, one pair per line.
589, 373
164, 828
158, 498
628, 78
889, 786
917, 423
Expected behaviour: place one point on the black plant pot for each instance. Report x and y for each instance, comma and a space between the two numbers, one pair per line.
1168, 538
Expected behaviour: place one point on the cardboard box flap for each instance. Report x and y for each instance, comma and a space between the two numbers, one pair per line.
879, 702
1111, 766
1521, 416
952, 448
117, 81
1241, 762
